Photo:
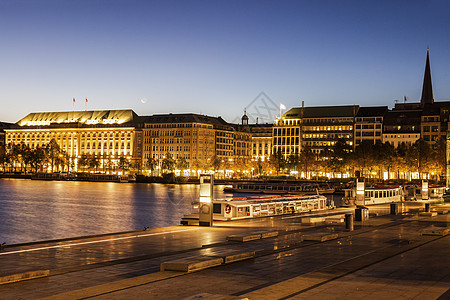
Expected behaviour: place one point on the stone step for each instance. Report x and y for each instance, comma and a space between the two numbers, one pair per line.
269, 234
312, 220
244, 237
439, 231
23, 276
428, 214
320, 237
234, 256
191, 264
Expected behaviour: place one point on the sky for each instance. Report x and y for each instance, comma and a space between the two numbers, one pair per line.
217, 57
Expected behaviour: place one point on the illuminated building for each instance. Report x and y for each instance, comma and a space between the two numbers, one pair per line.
369, 124
108, 135
426, 119
261, 141
197, 138
3, 126
317, 128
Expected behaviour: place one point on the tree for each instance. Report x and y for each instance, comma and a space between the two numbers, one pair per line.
53, 151
168, 163
182, 164
293, 162
418, 156
83, 161
151, 164
277, 161
94, 162
37, 158
124, 164
439, 157
216, 163
307, 159
363, 157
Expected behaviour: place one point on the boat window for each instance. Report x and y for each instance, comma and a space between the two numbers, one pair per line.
376, 194
384, 194
372, 194
216, 208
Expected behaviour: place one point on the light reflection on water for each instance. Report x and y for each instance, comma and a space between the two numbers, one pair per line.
43, 210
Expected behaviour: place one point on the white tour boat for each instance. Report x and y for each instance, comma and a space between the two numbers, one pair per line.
362, 196
253, 207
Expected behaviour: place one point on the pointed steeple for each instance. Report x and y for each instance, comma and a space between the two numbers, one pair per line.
427, 89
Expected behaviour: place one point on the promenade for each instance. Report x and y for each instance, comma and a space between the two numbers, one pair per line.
403, 256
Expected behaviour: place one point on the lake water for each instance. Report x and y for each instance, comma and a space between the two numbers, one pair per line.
34, 210
42, 210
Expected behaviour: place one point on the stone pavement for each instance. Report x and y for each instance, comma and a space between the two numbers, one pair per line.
385, 257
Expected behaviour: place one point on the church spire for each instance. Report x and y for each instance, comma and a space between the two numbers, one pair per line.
427, 89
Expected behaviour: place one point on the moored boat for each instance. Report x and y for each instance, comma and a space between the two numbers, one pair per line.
372, 195
253, 207
279, 188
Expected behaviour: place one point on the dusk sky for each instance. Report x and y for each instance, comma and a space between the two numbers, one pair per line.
215, 57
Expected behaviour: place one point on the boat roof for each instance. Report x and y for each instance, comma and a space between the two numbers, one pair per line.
268, 199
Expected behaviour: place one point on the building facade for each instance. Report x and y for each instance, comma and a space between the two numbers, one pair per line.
317, 128
202, 141
369, 124
108, 135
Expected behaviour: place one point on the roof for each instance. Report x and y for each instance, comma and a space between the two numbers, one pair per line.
186, 118
92, 117
402, 118
374, 111
322, 111
427, 88
5, 125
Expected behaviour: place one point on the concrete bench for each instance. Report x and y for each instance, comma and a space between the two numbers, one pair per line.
335, 219
312, 220
268, 234
320, 237
428, 214
191, 264
438, 231
244, 237
234, 255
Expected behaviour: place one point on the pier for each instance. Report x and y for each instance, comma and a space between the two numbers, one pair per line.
386, 256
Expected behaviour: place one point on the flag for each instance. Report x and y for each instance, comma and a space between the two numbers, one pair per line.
86, 100
282, 106
73, 100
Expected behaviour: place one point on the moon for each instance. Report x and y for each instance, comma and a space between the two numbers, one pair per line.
143, 100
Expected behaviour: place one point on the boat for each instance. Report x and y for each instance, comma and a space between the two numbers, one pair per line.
253, 207
361, 195
279, 188
434, 193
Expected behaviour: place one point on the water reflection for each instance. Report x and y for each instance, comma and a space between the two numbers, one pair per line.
43, 210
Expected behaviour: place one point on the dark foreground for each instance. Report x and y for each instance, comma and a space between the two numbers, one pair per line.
385, 257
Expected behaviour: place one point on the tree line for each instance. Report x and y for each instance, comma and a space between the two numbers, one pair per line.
368, 160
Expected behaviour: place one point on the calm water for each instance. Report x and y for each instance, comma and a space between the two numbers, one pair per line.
43, 210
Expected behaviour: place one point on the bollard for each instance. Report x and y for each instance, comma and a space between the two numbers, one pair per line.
427, 207
349, 222
361, 214
394, 209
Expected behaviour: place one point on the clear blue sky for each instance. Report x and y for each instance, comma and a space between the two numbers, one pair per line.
215, 57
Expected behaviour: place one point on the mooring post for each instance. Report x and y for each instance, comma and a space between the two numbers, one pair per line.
205, 211
349, 222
